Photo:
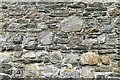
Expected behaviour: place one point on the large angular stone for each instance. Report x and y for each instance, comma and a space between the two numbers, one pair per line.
89, 58
72, 23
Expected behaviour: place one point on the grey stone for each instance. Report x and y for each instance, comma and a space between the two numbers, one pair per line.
72, 23
75, 40
61, 40
71, 58
87, 72
41, 54
4, 6
18, 54
96, 9
41, 26
30, 44
5, 56
78, 5
49, 71
46, 38
103, 69
102, 38
31, 70
106, 28
18, 39
28, 55
55, 57
115, 57
2, 39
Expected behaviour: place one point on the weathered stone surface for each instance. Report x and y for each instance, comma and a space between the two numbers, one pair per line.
41, 26
4, 57
55, 57
59, 40
104, 69
28, 55
106, 28
89, 58
31, 70
68, 72
105, 60
18, 39
71, 58
73, 23
46, 38
102, 38
113, 11
87, 72
30, 44
49, 71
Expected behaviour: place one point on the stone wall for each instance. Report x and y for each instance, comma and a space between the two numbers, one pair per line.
60, 40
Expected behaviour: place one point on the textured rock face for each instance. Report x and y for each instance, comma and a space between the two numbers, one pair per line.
55, 57
60, 40
87, 72
72, 23
90, 58
105, 60
113, 11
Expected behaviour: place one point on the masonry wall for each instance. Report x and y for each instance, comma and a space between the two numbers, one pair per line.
60, 40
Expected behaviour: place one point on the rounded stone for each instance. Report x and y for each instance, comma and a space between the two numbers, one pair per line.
105, 60
46, 37
89, 58
55, 57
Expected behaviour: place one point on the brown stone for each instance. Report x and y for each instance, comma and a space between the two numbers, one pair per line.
31, 14
113, 11
105, 60
89, 58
